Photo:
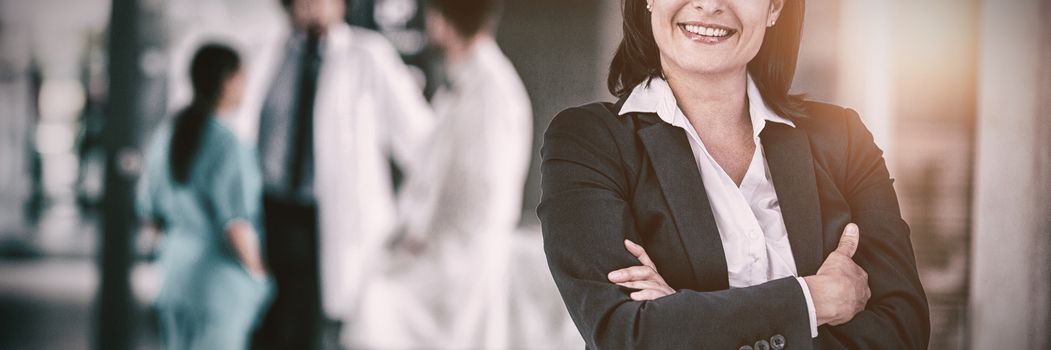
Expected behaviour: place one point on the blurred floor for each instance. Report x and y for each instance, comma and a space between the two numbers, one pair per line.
46, 303
47, 292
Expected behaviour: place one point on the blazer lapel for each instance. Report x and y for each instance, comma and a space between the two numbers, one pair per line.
674, 165
792, 170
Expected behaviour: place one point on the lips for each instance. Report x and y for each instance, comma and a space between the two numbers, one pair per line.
707, 33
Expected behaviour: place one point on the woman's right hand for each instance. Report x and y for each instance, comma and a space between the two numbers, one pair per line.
840, 289
245, 244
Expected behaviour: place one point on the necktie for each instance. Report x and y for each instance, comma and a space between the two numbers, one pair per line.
303, 155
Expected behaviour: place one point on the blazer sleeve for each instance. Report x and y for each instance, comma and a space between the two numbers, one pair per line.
897, 315
586, 215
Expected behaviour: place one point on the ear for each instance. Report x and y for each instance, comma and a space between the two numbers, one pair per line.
775, 11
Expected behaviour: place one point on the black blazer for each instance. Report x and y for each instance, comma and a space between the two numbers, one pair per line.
606, 178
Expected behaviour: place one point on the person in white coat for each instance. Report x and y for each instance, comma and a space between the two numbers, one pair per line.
334, 107
447, 284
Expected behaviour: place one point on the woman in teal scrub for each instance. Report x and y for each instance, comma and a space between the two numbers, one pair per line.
202, 188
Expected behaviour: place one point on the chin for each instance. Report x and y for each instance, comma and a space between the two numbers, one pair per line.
705, 66
709, 69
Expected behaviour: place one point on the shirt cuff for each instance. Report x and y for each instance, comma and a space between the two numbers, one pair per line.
811, 312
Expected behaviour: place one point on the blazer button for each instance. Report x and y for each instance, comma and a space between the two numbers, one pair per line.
762, 345
777, 342
745, 347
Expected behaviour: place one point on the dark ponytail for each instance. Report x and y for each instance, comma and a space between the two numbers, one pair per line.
212, 66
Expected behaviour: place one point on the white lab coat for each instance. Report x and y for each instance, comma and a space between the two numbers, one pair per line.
368, 108
464, 202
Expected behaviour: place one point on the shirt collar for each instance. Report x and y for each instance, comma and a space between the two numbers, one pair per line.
655, 96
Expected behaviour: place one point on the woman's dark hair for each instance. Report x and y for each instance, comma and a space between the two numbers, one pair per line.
468, 17
212, 66
287, 4
638, 59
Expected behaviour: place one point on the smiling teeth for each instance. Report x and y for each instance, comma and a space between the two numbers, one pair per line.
706, 31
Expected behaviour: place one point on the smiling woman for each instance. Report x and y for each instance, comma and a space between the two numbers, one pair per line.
710, 208
773, 67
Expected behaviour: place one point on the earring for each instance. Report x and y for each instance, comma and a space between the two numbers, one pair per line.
649, 7
772, 22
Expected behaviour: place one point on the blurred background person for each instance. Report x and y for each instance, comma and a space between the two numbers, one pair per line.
448, 284
202, 188
336, 104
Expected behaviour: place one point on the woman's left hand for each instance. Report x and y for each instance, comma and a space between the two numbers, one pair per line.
644, 278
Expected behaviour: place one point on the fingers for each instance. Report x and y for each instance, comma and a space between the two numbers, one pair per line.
848, 243
844, 290
641, 285
859, 301
634, 273
648, 294
645, 278
639, 253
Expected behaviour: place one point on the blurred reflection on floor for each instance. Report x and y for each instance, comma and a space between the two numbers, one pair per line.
46, 303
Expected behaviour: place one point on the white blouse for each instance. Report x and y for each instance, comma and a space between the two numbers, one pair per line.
749, 219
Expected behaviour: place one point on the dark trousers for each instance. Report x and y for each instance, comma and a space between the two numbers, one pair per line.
294, 318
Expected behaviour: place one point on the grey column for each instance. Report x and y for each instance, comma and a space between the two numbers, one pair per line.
114, 324
1011, 276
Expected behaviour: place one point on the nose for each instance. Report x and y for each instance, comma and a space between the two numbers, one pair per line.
713, 7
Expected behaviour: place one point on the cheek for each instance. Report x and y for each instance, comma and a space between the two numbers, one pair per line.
753, 42
755, 20
235, 89
663, 31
